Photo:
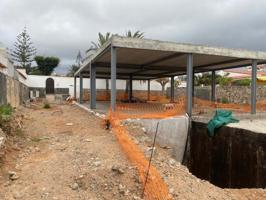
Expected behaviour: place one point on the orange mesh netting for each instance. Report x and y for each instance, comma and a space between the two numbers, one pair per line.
155, 188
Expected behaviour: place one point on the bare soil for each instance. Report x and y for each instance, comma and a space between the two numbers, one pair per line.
64, 153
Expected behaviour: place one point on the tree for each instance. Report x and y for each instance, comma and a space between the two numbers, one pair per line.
72, 70
46, 65
102, 39
79, 59
23, 51
163, 82
136, 34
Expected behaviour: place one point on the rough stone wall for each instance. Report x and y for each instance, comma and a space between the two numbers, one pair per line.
12, 91
233, 94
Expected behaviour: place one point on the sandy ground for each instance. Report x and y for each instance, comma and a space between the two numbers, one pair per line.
64, 153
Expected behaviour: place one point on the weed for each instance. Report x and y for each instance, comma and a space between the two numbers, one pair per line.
46, 105
36, 139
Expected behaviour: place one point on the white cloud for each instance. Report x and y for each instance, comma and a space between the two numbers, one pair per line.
61, 27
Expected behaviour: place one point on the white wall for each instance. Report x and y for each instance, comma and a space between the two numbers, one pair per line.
68, 82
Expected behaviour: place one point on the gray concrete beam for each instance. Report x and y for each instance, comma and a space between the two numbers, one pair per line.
254, 87
189, 83
149, 90
130, 87
172, 87
80, 88
113, 77
75, 87
213, 87
92, 86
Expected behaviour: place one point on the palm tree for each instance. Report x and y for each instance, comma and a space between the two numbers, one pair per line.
136, 34
102, 39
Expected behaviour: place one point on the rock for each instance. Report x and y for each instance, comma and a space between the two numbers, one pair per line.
74, 186
87, 140
13, 175
172, 162
17, 195
69, 124
97, 163
118, 169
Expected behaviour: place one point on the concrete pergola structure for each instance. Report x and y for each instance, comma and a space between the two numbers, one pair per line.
145, 59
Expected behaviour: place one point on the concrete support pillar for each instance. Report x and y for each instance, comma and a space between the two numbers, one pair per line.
113, 78
130, 87
149, 90
172, 89
189, 83
254, 87
92, 86
213, 87
80, 88
75, 87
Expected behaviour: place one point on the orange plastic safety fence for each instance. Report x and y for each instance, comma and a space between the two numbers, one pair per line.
156, 188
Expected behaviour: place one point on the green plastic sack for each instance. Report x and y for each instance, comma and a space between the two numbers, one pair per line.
222, 117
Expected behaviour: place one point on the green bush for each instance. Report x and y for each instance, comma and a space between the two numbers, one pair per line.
224, 100
46, 105
243, 82
5, 111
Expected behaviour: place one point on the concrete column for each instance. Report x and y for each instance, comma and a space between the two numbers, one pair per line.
113, 78
172, 90
189, 83
254, 87
149, 90
130, 87
80, 88
92, 86
213, 87
75, 87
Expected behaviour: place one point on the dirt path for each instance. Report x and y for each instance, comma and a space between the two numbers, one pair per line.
66, 154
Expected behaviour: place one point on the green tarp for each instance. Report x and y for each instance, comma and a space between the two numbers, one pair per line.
222, 117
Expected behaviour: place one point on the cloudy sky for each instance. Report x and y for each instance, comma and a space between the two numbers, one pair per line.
62, 27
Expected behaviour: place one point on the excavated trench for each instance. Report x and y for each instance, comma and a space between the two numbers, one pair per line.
233, 158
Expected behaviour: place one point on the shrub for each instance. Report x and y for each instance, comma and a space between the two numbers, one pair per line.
243, 82
46, 105
224, 100
5, 112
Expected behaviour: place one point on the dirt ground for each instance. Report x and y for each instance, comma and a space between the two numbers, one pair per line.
64, 153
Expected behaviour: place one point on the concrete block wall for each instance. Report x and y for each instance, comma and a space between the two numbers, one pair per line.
12, 91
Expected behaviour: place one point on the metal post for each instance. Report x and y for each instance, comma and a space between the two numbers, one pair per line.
130, 87
213, 87
92, 86
113, 78
80, 88
149, 90
172, 94
189, 83
75, 87
254, 87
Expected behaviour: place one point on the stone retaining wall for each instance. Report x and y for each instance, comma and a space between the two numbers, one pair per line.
12, 91
234, 94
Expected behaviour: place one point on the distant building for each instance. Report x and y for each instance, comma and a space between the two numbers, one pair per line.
245, 72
